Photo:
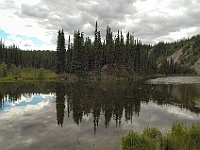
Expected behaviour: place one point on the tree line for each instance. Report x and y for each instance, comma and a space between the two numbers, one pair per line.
13, 60
119, 55
27, 58
83, 55
115, 55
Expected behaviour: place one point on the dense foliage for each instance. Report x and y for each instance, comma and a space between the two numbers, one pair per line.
116, 56
127, 57
25, 58
122, 57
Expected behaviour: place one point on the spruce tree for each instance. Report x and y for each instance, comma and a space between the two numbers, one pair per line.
109, 47
79, 54
99, 55
69, 57
61, 53
117, 49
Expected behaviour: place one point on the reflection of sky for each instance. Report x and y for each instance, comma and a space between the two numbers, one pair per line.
161, 117
27, 99
31, 123
34, 126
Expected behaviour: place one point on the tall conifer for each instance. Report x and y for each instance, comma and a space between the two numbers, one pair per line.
61, 53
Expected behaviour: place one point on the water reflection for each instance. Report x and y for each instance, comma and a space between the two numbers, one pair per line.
60, 103
113, 101
108, 101
104, 101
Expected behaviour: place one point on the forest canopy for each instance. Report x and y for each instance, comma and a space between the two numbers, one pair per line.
115, 55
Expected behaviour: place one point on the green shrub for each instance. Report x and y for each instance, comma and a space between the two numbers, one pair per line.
181, 137
6, 79
15, 73
37, 74
150, 139
155, 135
3, 70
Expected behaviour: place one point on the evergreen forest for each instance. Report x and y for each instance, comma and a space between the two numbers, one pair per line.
115, 56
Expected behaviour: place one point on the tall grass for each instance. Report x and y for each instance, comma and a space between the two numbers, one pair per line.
150, 139
180, 137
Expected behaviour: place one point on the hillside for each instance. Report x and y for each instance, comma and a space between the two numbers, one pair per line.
185, 52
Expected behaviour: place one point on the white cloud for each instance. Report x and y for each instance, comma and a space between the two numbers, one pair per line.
24, 43
182, 33
29, 99
17, 112
146, 6
151, 20
12, 24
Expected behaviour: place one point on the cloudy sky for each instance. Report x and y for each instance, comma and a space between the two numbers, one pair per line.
34, 24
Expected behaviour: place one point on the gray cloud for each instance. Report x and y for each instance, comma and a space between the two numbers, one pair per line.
81, 15
8, 4
27, 45
34, 12
150, 28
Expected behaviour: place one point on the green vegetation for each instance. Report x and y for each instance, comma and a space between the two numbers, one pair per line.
150, 139
122, 57
181, 137
183, 54
196, 100
17, 73
61, 53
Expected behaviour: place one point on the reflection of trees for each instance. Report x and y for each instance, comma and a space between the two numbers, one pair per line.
78, 102
178, 95
77, 111
113, 100
12, 91
1, 100
96, 114
60, 103
118, 100
107, 108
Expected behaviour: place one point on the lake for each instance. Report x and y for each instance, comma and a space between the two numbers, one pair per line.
62, 116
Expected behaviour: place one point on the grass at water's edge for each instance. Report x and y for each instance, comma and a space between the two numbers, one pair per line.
47, 75
180, 137
33, 74
28, 74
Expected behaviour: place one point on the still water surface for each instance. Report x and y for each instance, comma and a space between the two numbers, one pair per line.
59, 116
